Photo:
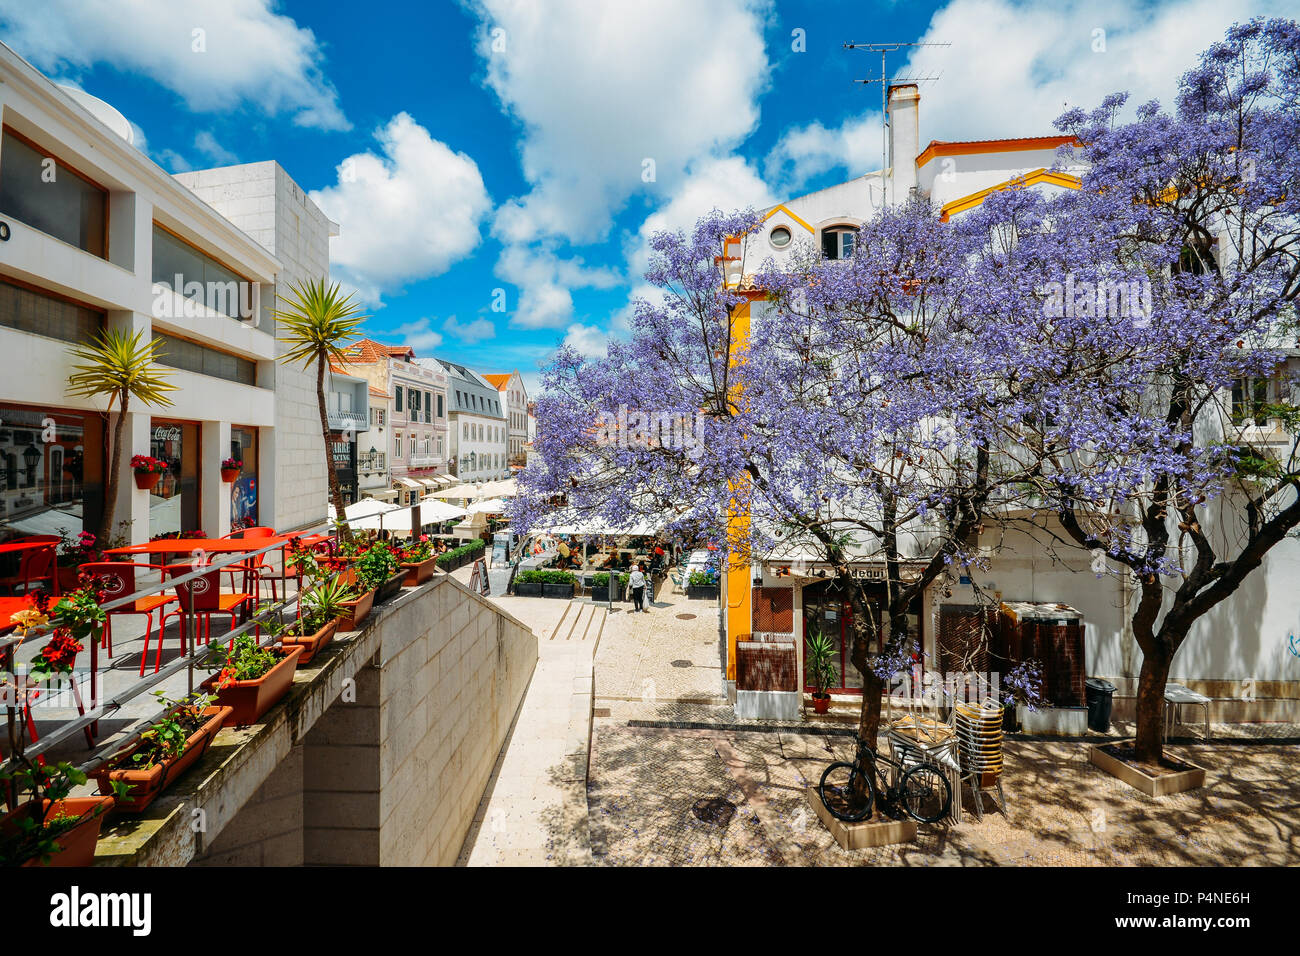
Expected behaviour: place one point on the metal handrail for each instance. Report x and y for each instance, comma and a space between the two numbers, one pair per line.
186, 661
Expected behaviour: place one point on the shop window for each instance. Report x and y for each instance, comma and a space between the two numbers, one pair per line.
29, 311
51, 472
174, 501
244, 489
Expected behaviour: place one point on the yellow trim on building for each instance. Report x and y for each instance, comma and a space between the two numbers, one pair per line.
1034, 178
782, 207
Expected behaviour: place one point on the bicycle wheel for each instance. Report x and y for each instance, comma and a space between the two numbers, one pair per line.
926, 793
846, 792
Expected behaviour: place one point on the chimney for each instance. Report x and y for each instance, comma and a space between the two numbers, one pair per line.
904, 140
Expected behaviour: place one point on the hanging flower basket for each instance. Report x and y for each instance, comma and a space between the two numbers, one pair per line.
148, 471
230, 469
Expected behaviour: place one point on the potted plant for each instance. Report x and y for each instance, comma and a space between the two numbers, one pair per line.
702, 585
230, 469
528, 583
252, 678
72, 553
822, 670
557, 584
48, 827
163, 752
601, 585
377, 570
318, 618
418, 560
148, 471
357, 607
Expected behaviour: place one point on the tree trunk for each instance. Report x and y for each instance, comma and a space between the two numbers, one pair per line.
336, 493
869, 719
1151, 705
111, 478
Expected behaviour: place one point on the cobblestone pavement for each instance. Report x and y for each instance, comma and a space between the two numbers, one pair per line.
645, 782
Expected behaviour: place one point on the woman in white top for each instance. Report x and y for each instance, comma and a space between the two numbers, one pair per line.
636, 580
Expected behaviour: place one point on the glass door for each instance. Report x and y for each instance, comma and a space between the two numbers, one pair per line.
244, 489
174, 501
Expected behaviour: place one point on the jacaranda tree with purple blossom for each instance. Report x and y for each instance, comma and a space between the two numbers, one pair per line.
1163, 293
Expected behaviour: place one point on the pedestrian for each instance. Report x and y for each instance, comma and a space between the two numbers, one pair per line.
637, 582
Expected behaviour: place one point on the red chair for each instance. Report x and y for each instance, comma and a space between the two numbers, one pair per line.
202, 596
256, 569
38, 564
117, 580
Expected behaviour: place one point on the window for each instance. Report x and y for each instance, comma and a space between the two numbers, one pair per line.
414, 399
428, 407
1255, 400
192, 357
779, 237
50, 196
837, 242
397, 446
397, 398
196, 275
440, 405
29, 311
1198, 256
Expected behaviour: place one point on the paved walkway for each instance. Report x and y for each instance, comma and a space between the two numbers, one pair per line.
534, 811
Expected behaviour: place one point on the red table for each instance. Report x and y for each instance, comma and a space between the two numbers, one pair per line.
10, 606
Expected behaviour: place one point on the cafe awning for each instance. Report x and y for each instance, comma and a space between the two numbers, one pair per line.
407, 482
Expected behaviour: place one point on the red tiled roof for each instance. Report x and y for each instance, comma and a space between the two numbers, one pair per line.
378, 392
498, 380
370, 351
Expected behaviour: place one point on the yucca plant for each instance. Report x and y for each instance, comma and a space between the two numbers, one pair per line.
118, 366
319, 324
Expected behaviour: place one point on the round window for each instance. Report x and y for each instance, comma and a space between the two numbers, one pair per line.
780, 236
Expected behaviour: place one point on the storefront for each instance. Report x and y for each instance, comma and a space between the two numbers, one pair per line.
343, 455
244, 489
51, 471
174, 501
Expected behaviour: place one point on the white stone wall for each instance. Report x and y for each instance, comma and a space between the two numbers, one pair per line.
263, 201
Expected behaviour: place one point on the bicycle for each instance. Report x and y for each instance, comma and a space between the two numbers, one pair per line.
849, 790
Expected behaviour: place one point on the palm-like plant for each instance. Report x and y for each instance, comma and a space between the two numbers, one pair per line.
118, 366
318, 326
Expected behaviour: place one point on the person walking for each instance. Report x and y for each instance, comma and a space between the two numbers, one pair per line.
637, 582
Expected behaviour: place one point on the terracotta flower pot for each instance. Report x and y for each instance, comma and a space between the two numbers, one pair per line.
77, 845
146, 480
143, 786
248, 700
360, 608
821, 703
419, 572
311, 643
228, 475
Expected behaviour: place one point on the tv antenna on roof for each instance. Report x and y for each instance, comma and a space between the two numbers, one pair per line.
884, 49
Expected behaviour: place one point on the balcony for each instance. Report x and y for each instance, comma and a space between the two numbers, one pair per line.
369, 464
423, 461
348, 421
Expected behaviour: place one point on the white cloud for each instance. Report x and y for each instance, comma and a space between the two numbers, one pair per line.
407, 214
245, 54
207, 144
590, 340
470, 333
545, 281
807, 151
1013, 67
418, 335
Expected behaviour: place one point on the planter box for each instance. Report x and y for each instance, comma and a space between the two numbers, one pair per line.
419, 573
360, 608
143, 786
861, 836
707, 592
145, 480
601, 594
248, 700
564, 591
528, 588
390, 588
1136, 777
312, 643
77, 845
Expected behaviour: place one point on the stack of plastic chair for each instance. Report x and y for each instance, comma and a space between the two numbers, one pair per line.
979, 743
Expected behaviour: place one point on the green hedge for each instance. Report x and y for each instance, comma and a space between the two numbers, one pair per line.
601, 580
702, 579
544, 576
454, 558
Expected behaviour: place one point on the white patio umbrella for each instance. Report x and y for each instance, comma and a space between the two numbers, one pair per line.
433, 511
505, 488
399, 520
455, 491
365, 508
492, 506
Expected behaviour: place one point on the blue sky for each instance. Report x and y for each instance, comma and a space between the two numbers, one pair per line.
502, 144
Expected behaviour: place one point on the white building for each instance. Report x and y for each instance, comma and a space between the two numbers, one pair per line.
264, 201
372, 459
514, 398
478, 427
90, 225
955, 177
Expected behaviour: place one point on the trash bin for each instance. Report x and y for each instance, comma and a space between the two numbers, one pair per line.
1099, 693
